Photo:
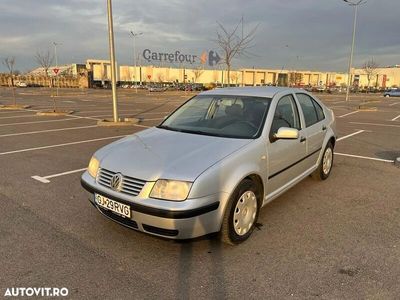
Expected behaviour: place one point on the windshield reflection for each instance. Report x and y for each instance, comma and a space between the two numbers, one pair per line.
224, 116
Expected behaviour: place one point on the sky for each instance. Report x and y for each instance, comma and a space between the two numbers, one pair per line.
291, 34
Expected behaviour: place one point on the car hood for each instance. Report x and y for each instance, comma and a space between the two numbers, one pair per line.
159, 153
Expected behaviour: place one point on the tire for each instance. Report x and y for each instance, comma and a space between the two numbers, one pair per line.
325, 166
243, 209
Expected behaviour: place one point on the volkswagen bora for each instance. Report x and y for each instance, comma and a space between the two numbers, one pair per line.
213, 163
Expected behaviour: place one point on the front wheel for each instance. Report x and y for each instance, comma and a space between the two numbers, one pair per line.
241, 213
325, 165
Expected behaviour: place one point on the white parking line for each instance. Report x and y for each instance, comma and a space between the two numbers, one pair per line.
153, 119
364, 157
35, 122
394, 119
82, 117
61, 145
155, 113
349, 135
393, 104
48, 130
14, 112
71, 118
105, 110
13, 117
144, 126
333, 107
30, 109
350, 113
45, 179
124, 111
138, 115
375, 124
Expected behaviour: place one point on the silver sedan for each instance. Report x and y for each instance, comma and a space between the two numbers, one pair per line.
213, 163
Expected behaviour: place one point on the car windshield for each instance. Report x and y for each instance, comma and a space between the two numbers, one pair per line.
225, 116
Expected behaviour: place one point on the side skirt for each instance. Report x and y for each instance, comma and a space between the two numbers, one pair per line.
288, 185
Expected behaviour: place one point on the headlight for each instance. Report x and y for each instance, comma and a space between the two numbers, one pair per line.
93, 166
171, 190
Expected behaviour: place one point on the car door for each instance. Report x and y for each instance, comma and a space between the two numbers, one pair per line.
315, 127
284, 156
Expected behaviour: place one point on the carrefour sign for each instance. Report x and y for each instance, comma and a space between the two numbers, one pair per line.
179, 57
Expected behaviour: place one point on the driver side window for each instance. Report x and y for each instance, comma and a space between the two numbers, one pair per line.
286, 115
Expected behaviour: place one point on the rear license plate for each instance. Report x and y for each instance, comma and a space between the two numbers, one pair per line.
116, 207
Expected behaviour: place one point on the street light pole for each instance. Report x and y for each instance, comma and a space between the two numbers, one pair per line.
355, 5
112, 60
134, 35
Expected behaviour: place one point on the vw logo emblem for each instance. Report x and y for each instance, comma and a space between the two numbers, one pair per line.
116, 182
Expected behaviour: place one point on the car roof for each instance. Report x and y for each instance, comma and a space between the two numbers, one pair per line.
258, 91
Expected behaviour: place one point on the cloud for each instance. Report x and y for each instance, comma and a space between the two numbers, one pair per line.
302, 34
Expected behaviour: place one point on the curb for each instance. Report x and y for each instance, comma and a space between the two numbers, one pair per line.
121, 122
397, 162
14, 107
54, 113
367, 108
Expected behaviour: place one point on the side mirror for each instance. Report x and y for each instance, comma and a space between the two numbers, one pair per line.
286, 133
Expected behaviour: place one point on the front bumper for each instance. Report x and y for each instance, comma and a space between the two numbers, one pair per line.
177, 220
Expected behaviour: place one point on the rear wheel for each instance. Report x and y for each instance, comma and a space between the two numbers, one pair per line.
241, 213
325, 165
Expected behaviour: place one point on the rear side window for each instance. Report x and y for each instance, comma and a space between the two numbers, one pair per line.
320, 111
312, 111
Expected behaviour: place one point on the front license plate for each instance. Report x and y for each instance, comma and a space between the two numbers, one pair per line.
116, 207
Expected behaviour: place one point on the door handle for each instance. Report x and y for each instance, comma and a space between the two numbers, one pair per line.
323, 128
302, 139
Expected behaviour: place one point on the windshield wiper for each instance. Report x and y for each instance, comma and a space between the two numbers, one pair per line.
200, 132
168, 128
182, 130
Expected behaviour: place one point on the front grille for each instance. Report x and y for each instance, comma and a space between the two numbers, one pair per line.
130, 186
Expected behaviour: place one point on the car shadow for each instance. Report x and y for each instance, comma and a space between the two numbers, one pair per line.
186, 269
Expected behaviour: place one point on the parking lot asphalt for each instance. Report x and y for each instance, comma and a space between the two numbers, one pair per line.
333, 239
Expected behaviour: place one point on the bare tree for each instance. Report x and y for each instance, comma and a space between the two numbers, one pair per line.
197, 73
295, 78
9, 62
235, 78
370, 68
45, 60
234, 43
